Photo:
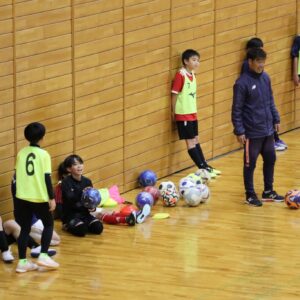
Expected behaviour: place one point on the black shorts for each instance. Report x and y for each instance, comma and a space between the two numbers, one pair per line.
187, 129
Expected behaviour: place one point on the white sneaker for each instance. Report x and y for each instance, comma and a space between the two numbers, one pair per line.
143, 214
25, 267
7, 256
45, 260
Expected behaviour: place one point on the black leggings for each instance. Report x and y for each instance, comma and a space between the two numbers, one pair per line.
252, 149
80, 226
23, 211
3, 242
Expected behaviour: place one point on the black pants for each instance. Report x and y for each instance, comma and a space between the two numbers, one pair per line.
252, 148
80, 225
23, 211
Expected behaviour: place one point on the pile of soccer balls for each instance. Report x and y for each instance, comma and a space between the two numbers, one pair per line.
194, 189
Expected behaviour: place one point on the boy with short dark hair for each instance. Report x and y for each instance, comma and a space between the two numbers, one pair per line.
34, 195
254, 118
184, 108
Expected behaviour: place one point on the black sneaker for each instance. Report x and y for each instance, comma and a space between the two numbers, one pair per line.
271, 196
252, 199
131, 219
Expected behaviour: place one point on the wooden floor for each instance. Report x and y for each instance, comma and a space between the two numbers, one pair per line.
220, 250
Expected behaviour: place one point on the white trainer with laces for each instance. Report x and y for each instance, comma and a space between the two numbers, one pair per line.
46, 261
27, 266
143, 214
7, 256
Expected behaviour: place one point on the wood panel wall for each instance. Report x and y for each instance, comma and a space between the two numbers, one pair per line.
98, 75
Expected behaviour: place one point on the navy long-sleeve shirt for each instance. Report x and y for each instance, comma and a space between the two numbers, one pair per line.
253, 110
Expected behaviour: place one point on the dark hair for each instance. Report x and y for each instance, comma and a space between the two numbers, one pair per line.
187, 54
71, 160
256, 53
34, 132
254, 43
62, 171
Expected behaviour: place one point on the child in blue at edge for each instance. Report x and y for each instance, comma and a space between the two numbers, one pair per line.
256, 42
184, 108
295, 56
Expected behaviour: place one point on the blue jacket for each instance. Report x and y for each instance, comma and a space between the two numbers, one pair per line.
253, 109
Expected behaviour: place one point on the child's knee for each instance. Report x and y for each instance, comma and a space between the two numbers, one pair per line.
96, 227
77, 227
191, 143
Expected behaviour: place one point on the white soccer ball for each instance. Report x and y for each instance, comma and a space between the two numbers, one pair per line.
205, 192
186, 183
170, 197
193, 196
166, 185
197, 179
204, 174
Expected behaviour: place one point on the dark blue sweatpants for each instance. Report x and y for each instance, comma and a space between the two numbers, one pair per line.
252, 148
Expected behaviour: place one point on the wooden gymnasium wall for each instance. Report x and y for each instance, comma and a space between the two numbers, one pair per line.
98, 75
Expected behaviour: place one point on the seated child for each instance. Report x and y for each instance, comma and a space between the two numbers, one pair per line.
62, 173
11, 231
6, 253
76, 218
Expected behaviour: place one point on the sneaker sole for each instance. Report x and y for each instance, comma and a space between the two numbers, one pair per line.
8, 261
41, 264
24, 271
140, 218
271, 200
252, 204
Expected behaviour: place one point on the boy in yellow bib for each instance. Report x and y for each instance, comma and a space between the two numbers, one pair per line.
184, 108
34, 195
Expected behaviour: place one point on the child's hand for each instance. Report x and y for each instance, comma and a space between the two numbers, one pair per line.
52, 204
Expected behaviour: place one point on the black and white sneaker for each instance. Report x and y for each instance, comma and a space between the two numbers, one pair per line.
271, 196
251, 199
143, 214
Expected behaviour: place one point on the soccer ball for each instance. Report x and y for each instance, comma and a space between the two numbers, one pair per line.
205, 193
90, 198
292, 199
185, 184
170, 197
204, 174
147, 178
143, 198
193, 196
197, 179
166, 185
153, 191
